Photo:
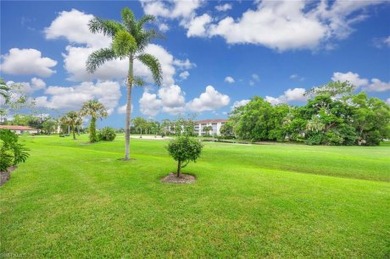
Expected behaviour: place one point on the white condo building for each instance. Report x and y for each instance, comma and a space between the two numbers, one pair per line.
215, 125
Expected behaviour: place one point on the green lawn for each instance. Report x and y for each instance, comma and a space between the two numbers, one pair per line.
77, 200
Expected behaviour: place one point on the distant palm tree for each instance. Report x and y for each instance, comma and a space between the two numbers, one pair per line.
4, 90
73, 120
129, 42
96, 110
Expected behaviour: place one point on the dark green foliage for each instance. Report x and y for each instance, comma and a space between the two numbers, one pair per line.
184, 149
107, 134
11, 152
333, 116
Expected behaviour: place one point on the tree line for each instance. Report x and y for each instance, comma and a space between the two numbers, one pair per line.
333, 115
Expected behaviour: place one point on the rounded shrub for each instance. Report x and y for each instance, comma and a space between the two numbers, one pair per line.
107, 134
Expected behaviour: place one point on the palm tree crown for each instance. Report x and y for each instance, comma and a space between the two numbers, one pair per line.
129, 40
96, 110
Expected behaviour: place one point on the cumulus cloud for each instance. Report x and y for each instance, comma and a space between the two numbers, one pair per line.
198, 25
72, 98
122, 109
353, 78
224, 7
73, 26
27, 62
172, 9
29, 87
377, 85
184, 75
150, 105
295, 94
373, 85
168, 99
280, 25
229, 80
210, 100
237, 104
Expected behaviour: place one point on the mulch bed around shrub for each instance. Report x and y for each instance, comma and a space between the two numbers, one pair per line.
183, 179
4, 176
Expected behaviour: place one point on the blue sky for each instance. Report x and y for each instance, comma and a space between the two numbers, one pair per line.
215, 55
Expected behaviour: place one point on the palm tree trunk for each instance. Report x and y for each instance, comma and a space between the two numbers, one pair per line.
128, 108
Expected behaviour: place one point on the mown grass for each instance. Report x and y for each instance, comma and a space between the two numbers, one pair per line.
76, 200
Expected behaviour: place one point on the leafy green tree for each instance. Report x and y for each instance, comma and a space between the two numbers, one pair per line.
107, 134
140, 125
227, 130
371, 119
49, 126
129, 41
207, 129
11, 152
254, 122
96, 110
184, 149
73, 120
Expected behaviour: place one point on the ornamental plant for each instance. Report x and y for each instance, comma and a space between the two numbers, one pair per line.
184, 149
11, 152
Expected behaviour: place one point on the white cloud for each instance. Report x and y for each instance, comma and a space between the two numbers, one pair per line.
163, 27
295, 94
273, 100
210, 100
149, 104
168, 99
224, 7
184, 75
279, 25
27, 62
59, 97
122, 109
377, 85
296, 77
373, 85
73, 26
172, 9
237, 104
198, 25
172, 98
229, 80
183, 64
388, 101
256, 77
353, 78
387, 41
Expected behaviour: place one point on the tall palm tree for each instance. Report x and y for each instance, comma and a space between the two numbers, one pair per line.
96, 110
73, 120
129, 42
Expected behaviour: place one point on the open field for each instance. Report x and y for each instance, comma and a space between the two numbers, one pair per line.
73, 200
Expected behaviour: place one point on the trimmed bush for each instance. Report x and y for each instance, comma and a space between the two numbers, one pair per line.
107, 134
184, 150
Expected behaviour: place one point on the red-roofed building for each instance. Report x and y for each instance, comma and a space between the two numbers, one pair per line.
19, 129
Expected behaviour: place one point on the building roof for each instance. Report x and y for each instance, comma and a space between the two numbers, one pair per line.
210, 121
15, 127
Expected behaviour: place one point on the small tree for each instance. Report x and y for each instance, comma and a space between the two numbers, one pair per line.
184, 149
11, 152
96, 110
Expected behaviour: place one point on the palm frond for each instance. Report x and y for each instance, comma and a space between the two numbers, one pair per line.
107, 27
129, 20
138, 81
123, 44
98, 57
145, 19
154, 65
